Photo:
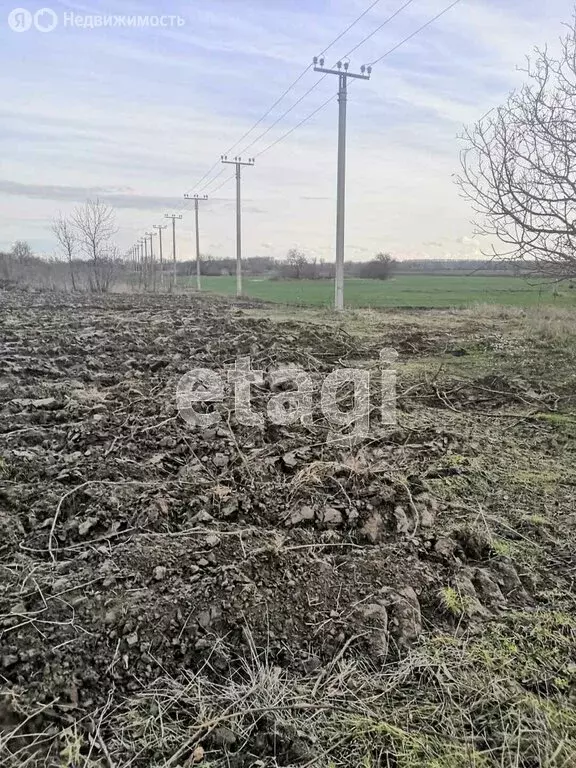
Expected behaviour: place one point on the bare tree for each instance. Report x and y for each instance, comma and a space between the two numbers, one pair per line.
21, 250
108, 268
296, 263
68, 241
380, 268
519, 167
95, 224
298, 266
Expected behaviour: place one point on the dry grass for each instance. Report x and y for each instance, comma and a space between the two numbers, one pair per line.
553, 323
468, 702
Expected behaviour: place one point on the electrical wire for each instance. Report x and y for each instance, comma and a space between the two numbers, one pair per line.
305, 120
377, 61
313, 87
317, 83
341, 35
209, 183
287, 91
257, 139
203, 177
226, 180
300, 76
378, 28
265, 115
406, 39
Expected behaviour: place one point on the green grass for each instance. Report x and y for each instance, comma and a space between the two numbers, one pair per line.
423, 291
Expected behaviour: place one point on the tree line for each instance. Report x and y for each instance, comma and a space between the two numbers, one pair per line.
88, 258
77, 269
297, 265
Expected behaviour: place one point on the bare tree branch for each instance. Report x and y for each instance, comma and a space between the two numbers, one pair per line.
68, 241
519, 167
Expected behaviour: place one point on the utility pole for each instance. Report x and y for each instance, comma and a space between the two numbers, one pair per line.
146, 262
151, 235
238, 162
197, 199
142, 264
145, 269
343, 75
160, 227
173, 216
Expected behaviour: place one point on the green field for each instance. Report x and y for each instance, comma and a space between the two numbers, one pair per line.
419, 291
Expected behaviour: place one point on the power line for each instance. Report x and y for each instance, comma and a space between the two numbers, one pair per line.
287, 91
377, 61
378, 28
222, 184
265, 115
325, 104
350, 27
406, 39
317, 83
203, 177
300, 76
305, 120
209, 183
249, 131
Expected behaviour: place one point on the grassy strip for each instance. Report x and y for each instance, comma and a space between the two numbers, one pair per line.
418, 291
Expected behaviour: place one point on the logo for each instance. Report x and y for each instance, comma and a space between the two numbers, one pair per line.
45, 20
21, 20
342, 397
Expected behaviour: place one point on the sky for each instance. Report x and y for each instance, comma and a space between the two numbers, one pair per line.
136, 116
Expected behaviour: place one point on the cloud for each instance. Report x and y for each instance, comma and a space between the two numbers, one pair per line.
113, 197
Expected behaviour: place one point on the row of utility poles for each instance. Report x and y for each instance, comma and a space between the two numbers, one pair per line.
146, 260
143, 256
142, 252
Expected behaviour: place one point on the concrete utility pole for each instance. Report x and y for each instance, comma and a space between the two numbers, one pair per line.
145, 268
197, 199
238, 162
151, 235
140, 261
160, 227
343, 75
173, 216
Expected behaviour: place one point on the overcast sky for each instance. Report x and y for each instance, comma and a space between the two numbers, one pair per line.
137, 116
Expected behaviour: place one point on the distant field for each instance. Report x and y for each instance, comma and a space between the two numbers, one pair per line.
403, 291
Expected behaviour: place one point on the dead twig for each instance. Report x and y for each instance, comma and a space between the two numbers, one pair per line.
57, 514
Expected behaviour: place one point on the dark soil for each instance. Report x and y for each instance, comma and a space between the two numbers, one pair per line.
134, 546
